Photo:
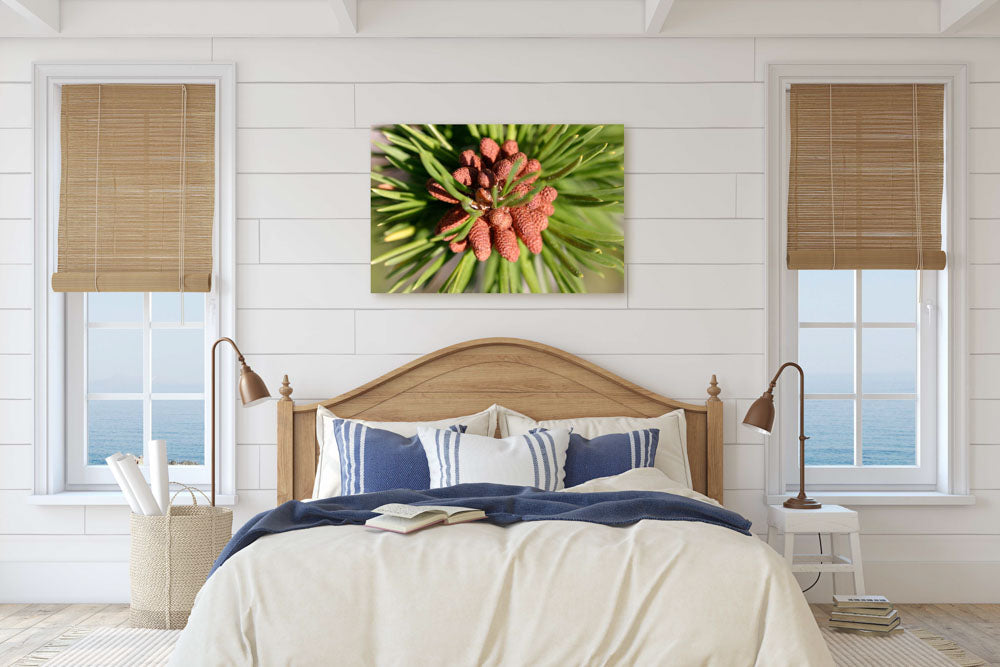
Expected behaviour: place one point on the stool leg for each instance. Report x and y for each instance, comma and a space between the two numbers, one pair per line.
833, 554
789, 547
772, 532
859, 575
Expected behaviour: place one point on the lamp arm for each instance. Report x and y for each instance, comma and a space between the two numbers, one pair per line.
239, 355
802, 421
802, 394
781, 368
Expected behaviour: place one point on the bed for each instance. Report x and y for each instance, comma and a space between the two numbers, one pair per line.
544, 592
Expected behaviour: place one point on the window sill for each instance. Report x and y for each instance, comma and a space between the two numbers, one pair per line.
112, 498
850, 498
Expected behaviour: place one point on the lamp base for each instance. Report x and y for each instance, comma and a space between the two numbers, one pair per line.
802, 504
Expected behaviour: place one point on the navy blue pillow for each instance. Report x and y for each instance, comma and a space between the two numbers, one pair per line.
609, 454
372, 459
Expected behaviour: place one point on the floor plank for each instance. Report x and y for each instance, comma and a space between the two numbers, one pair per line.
111, 616
30, 614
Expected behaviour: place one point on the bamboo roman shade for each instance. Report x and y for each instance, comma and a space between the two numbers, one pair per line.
137, 192
866, 176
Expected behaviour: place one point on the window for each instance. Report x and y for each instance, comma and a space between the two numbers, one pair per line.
883, 349
136, 372
861, 338
115, 369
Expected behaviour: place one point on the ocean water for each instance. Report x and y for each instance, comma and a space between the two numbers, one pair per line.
888, 427
888, 432
116, 426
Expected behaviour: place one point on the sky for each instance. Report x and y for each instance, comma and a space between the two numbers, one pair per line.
888, 356
115, 355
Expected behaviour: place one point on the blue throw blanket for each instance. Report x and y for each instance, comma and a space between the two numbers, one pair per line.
502, 503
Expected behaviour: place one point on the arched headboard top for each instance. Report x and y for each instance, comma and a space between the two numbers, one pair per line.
539, 380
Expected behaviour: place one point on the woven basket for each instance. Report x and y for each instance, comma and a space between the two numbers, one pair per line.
170, 559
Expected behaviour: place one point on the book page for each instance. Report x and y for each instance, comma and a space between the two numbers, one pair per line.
449, 510
398, 524
406, 511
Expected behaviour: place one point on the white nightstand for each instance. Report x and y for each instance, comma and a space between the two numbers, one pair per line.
832, 519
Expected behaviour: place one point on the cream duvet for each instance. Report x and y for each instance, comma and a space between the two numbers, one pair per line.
540, 593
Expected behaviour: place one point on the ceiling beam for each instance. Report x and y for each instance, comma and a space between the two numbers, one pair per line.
656, 15
44, 13
347, 14
958, 14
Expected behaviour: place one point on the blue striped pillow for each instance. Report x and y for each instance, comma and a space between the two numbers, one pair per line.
533, 459
372, 459
610, 454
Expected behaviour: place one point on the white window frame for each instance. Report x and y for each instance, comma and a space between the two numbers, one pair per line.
51, 482
923, 475
80, 475
947, 305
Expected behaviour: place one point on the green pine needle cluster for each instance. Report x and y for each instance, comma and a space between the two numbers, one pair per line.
583, 247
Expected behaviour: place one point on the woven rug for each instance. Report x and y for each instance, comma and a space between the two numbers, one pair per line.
914, 648
101, 647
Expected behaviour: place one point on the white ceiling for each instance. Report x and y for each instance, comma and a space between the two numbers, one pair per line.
433, 18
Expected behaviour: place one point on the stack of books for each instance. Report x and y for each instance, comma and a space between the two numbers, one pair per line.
864, 613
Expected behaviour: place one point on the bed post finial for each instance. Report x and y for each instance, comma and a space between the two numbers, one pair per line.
713, 389
286, 426
714, 445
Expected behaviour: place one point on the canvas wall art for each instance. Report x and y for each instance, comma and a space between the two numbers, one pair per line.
498, 208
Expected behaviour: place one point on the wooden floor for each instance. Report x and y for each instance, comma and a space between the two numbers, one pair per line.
974, 627
26, 627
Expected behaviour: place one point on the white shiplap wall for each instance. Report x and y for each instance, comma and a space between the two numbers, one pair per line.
694, 113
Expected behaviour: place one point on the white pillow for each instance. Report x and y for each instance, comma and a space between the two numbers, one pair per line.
327, 482
671, 452
535, 459
639, 479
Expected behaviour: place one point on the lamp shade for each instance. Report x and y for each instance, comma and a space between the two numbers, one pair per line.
252, 388
760, 416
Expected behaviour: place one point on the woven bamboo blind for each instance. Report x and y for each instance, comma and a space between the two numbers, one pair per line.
866, 176
137, 190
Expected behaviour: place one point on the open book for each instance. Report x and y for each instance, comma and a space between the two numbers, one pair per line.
401, 518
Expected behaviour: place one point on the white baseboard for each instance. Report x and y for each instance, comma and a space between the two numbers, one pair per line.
918, 582
64, 582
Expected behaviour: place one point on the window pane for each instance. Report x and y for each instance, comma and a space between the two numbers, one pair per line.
194, 306
827, 357
114, 307
826, 296
889, 296
178, 360
889, 361
888, 432
182, 425
166, 307
114, 361
830, 427
113, 426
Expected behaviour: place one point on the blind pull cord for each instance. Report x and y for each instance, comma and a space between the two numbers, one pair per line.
916, 183
833, 205
180, 240
97, 183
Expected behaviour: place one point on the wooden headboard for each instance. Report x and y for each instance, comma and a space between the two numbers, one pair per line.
540, 381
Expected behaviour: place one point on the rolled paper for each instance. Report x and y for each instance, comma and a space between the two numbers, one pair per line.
158, 474
122, 483
136, 482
